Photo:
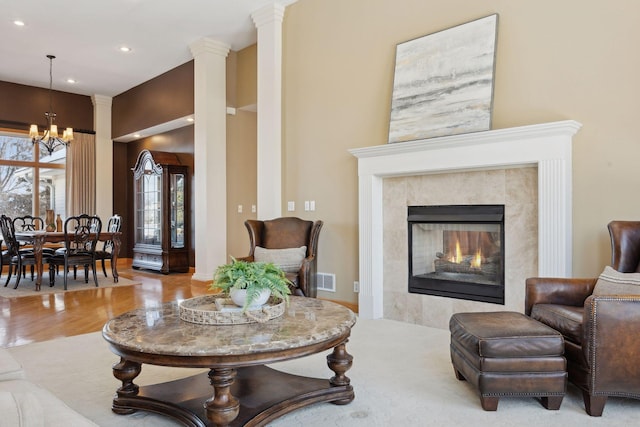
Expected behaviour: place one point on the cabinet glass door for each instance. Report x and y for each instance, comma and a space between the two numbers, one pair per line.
149, 208
177, 181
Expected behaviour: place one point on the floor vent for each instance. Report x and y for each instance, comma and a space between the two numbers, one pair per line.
326, 282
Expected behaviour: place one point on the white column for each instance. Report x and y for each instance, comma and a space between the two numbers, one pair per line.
268, 21
555, 246
210, 156
104, 156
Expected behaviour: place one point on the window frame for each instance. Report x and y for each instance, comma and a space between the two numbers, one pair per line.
34, 164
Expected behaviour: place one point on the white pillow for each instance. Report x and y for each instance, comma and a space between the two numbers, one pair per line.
289, 260
612, 282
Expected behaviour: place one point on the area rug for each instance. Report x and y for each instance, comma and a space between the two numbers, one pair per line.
28, 287
401, 374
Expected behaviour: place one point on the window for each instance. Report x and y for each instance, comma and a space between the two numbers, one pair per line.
31, 180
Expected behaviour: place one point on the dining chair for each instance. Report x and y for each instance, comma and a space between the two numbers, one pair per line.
30, 223
4, 258
113, 226
14, 255
81, 235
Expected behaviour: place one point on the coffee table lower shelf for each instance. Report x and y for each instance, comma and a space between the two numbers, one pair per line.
264, 394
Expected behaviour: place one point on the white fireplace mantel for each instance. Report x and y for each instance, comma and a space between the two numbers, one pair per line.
547, 146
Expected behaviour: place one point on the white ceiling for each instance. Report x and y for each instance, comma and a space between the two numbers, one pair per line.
86, 36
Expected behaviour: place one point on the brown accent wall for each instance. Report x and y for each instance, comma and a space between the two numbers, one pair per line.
122, 191
27, 105
159, 100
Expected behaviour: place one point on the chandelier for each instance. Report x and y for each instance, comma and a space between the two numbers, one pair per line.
50, 139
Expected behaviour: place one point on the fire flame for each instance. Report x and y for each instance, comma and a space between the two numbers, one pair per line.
476, 262
457, 258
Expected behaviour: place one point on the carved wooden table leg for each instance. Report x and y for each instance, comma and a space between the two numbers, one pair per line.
38, 243
114, 256
340, 362
126, 371
223, 408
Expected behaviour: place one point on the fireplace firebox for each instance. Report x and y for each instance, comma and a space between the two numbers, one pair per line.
457, 251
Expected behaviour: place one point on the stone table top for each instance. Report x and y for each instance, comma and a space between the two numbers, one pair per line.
159, 330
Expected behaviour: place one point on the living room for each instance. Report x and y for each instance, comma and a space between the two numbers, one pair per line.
555, 61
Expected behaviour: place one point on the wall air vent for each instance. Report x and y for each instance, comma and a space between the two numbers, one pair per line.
326, 282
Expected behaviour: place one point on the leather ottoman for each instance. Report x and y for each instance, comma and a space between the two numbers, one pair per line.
506, 354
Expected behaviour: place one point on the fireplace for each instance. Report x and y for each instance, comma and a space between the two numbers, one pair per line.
546, 146
457, 251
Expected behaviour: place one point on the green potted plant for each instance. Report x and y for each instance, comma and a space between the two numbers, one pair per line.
254, 280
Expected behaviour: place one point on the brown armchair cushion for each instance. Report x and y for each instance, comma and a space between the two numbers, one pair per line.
565, 319
612, 282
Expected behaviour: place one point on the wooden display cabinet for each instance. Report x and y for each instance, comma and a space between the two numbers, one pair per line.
161, 214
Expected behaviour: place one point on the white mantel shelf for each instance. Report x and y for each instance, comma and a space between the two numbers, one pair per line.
547, 146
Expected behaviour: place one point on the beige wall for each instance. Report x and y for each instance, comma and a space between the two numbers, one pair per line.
241, 148
556, 60
241, 179
247, 77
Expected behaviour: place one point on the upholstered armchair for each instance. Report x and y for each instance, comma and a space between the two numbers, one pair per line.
599, 319
292, 244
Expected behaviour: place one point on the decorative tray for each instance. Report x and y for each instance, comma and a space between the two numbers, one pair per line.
219, 310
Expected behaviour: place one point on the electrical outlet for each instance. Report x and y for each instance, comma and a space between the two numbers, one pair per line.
356, 286
291, 206
239, 208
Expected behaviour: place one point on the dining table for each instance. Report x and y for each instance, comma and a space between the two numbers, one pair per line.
38, 239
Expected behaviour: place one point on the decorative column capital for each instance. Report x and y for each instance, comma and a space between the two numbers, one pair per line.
206, 45
102, 100
273, 13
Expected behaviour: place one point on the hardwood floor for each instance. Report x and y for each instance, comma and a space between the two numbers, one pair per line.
43, 317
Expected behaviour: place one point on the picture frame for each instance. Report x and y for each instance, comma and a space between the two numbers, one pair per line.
443, 82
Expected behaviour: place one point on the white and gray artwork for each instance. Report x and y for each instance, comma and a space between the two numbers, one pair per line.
443, 83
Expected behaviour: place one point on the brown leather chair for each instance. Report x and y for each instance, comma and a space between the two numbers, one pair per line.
601, 332
286, 233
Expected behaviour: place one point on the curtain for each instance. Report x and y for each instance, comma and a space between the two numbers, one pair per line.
81, 175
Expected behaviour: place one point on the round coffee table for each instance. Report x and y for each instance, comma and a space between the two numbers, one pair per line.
245, 392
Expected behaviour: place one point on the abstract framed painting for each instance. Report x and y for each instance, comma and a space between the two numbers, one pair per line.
443, 82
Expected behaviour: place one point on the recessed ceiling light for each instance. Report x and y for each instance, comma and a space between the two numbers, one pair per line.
190, 119
19, 23
125, 49
136, 135
71, 81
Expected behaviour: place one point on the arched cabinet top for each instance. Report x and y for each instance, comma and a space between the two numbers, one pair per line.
153, 161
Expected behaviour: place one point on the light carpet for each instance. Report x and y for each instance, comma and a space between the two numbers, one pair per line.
28, 287
401, 374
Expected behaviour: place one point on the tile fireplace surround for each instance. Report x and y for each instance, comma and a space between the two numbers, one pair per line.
391, 176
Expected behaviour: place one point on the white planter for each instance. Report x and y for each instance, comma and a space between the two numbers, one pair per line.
239, 296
